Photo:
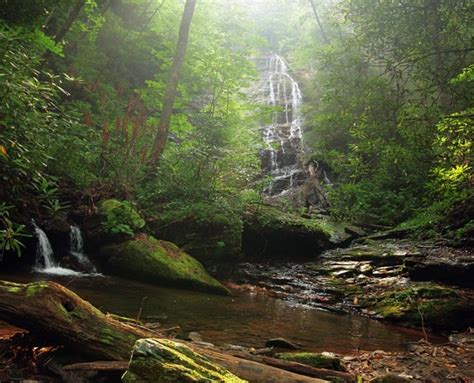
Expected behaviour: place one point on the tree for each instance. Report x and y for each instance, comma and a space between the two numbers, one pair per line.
170, 92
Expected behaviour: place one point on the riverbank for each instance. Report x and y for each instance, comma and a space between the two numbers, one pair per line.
415, 284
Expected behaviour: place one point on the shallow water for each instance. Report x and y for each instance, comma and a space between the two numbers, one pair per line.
246, 319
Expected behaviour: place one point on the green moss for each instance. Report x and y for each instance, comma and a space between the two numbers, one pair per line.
35, 288
312, 359
440, 307
208, 231
165, 361
148, 259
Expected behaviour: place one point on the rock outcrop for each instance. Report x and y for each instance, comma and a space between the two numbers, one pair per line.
147, 259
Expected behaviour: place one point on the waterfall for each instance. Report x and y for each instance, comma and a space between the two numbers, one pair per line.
283, 136
44, 251
77, 248
45, 262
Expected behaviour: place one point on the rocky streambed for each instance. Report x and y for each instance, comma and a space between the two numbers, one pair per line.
424, 285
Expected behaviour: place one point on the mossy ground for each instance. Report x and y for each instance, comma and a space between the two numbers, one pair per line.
147, 259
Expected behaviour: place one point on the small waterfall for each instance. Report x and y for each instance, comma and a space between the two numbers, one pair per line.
283, 137
77, 248
44, 251
45, 262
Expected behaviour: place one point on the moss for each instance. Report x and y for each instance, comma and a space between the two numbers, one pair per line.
440, 307
209, 232
313, 359
165, 361
150, 260
35, 288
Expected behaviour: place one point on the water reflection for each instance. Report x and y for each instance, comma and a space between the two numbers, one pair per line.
246, 319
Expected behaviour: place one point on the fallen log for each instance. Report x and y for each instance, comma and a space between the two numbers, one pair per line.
50, 311
298, 368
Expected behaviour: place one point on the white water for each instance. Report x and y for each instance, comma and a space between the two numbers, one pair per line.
77, 248
44, 251
283, 137
45, 262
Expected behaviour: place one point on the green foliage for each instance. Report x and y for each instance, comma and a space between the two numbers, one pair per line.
10, 233
120, 217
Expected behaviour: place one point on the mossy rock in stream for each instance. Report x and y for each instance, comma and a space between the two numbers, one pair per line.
209, 232
439, 307
313, 359
271, 232
166, 361
147, 259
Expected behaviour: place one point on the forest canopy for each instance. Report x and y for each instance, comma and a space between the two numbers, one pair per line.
388, 107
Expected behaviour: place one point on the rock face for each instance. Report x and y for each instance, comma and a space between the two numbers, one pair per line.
209, 238
147, 259
270, 232
165, 361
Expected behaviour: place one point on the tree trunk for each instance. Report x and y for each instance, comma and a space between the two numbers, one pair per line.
316, 15
170, 92
55, 314
69, 21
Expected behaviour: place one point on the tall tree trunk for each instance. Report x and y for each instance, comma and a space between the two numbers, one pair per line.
316, 15
170, 92
69, 21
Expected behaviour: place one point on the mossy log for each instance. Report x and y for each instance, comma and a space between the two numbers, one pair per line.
52, 312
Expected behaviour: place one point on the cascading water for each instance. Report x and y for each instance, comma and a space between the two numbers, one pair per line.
77, 248
283, 137
44, 251
45, 262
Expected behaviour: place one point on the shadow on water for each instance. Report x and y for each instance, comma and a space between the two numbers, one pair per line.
245, 319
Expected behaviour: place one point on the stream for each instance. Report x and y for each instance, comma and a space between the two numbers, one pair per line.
246, 319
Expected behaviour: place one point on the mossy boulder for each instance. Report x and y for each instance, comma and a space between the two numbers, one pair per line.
147, 259
165, 361
439, 307
313, 359
271, 232
209, 232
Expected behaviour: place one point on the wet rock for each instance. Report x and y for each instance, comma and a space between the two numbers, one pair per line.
434, 306
452, 266
208, 233
165, 361
281, 343
147, 259
195, 336
271, 232
317, 360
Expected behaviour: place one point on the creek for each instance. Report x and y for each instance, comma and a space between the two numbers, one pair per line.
245, 319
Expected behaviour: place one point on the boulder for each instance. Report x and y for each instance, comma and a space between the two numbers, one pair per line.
166, 361
428, 304
209, 233
271, 232
147, 259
